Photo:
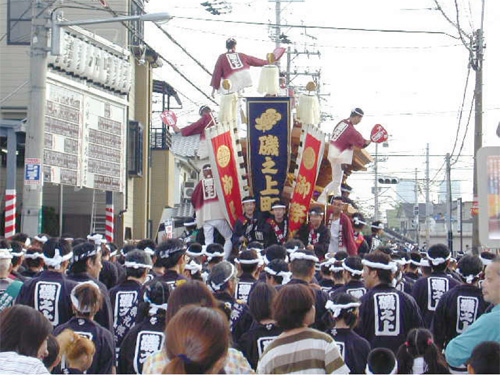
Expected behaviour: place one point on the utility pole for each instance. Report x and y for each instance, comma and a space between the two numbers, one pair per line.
428, 212
416, 210
375, 192
449, 201
278, 23
35, 130
460, 218
478, 128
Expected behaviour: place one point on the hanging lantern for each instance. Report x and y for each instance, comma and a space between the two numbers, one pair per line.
308, 112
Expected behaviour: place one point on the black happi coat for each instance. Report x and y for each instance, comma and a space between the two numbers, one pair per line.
456, 311
438, 283
328, 285
386, 315
355, 288
319, 238
251, 229
124, 301
105, 315
49, 293
109, 274
240, 319
353, 348
411, 278
244, 287
143, 340
270, 237
253, 342
404, 286
104, 357
170, 277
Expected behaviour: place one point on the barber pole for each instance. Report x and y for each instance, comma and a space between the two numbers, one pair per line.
10, 213
110, 223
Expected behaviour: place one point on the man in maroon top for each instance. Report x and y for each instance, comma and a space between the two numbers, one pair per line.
340, 151
234, 66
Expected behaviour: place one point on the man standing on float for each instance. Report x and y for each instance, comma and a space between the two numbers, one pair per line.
344, 138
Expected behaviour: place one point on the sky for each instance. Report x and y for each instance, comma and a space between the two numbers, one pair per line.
412, 84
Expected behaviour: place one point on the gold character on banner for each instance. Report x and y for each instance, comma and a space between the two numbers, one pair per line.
267, 120
297, 212
266, 203
309, 158
270, 186
232, 209
268, 166
269, 145
227, 183
303, 187
223, 156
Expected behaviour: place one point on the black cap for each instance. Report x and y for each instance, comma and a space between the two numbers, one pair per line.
316, 211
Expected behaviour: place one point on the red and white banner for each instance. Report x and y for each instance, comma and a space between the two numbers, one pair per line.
10, 213
226, 171
110, 223
311, 150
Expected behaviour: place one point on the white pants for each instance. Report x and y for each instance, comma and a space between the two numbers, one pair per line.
336, 159
224, 229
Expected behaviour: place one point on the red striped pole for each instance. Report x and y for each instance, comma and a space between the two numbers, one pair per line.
10, 213
110, 223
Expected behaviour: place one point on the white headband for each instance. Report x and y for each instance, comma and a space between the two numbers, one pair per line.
381, 266
217, 287
425, 263
27, 243
249, 201
485, 261
14, 254
287, 276
97, 238
247, 261
401, 262
278, 206
469, 278
351, 270
153, 307
86, 255
56, 261
5, 254
355, 110
210, 256
293, 249
193, 267
336, 269
380, 226
149, 251
33, 256
192, 254
438, 261
337, 309
297, 255
42, 239
357, 221
190, 223
74, 300
393, 371
137, 265
166, 253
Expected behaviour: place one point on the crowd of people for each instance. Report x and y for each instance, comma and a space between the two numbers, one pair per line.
327, 300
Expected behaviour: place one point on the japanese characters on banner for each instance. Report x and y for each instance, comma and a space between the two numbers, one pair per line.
268, 147
221, 150
311, 150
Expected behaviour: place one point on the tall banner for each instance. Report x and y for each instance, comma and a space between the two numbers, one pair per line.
310, 155
268, 139
224, 161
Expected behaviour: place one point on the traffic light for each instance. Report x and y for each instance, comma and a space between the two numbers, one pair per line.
388, 180
415, 210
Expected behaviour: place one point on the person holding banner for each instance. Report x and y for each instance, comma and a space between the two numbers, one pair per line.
315, 235
234, 66
342, 235
275, 228
209, 212
247, 227
343, 139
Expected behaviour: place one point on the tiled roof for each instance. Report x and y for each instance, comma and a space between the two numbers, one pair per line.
185, 146
183, 210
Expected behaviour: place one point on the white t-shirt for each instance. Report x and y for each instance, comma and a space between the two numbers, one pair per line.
12, 363
334, 238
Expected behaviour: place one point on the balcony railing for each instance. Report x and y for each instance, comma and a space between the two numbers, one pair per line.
161, 139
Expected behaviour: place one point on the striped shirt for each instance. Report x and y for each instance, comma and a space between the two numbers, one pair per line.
306, 352
12, 363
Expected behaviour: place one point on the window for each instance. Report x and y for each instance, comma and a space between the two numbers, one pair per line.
136, 27
135, 144
19, 22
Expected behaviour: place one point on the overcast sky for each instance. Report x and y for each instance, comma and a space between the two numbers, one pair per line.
413, 84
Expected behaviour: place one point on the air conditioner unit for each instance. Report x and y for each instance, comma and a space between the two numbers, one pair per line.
188, 188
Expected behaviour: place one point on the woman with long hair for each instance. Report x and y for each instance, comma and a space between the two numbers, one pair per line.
78, 351
420, 355
23, 345
198, 341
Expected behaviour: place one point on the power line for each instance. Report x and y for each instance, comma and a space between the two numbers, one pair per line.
466, 130
461, 111
320, 27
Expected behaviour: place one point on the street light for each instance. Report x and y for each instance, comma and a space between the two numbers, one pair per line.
56, 25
